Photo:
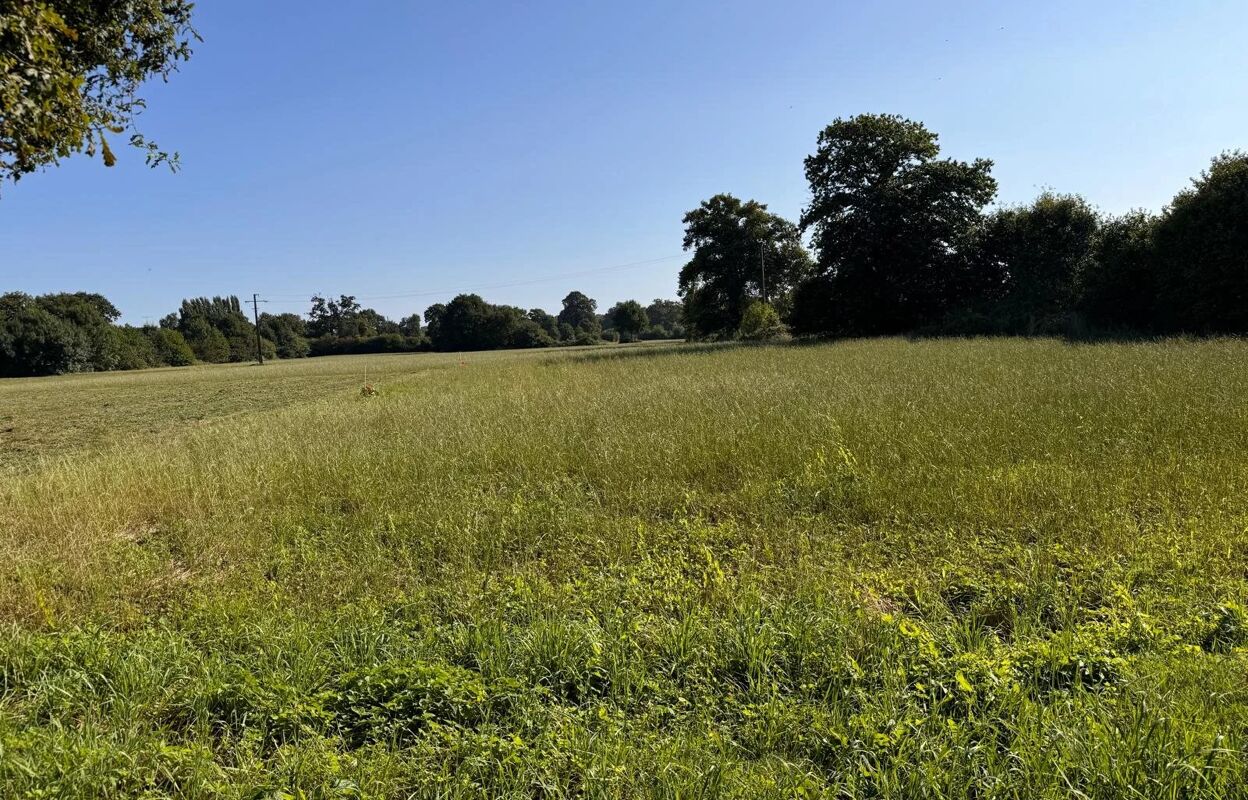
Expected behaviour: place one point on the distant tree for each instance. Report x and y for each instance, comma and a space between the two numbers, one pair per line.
213, 347
1119, 285
628, 318
1038, 255
288, 332
369, 322
134, 349
666, 319
546, 321
409, 326
470, 323
91, 317
336, 318
58, 333
70, 71
433, 322
216, 329
1202, 251
580, 312
526, 333
735, 244
35, 342
890, 223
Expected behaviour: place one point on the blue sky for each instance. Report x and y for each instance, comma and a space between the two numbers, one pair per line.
403, 148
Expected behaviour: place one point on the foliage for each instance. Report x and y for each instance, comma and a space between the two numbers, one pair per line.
628, 318
360, 345
70, 73
1202, 249
171, 347
546, 321
666, 319
890, 223
470, 323
409, 326
1119, 287
1033, 260
761, 322
216, 329
345, 318
734, 245
57, 333
580, 313
288, 333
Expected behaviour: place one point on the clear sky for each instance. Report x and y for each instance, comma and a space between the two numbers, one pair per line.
402, 148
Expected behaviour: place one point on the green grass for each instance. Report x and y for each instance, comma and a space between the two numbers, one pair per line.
865, 569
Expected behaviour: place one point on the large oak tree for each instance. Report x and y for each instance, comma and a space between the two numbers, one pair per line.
890, 224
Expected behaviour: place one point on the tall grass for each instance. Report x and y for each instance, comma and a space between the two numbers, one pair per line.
884, 568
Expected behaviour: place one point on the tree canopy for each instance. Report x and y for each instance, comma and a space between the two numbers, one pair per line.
735, 244
70, 74
1202, 247
627, 318
580, 312
890, 223
1032, 260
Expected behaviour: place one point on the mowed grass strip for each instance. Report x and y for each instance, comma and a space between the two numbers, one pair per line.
43, 419
876, 568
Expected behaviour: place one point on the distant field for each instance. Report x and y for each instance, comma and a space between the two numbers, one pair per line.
42, 418
991, 568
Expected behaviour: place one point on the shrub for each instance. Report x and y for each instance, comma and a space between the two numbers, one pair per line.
171, 347
760, 322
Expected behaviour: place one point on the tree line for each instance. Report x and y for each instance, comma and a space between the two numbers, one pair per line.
78, 332
895, 240
903, 242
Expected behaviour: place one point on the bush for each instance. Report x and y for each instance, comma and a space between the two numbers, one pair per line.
134, 349
382, 343
761, 322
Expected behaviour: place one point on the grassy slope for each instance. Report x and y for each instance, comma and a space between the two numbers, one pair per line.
870, 568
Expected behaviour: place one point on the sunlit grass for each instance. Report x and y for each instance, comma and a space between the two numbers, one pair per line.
885, 568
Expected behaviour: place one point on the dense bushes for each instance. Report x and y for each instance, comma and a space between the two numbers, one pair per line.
61, 333
382, 343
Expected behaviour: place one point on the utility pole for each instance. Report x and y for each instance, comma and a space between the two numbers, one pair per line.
255, 315
762, 266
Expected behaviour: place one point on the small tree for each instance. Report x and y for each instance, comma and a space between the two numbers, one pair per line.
666, 319
212, 347
761, 321
171, 347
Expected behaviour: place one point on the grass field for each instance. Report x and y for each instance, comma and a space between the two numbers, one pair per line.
865, 569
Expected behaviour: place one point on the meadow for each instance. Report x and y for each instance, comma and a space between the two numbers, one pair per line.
877, 568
